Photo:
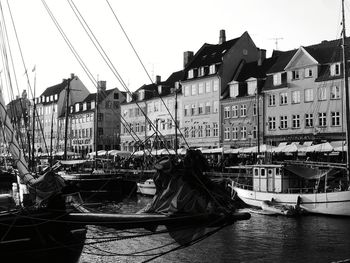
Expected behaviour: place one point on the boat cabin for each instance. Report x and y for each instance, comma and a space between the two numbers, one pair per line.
269, 178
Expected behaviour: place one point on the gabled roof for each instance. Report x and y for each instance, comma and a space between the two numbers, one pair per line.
101, 96
283, 58
210, 54
253, 70
56, 89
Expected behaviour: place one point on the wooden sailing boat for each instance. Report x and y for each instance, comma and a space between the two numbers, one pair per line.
290, 185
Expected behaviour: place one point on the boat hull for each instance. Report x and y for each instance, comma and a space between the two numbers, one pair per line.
146, 189
38, 237
329, 203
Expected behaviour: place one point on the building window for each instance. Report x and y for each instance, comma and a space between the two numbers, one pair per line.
243, 110
335, 118
215, 129
272, 123
322, 93
201, 72
322, 119
187, 91
234, 133
295, 74
235, 111
193, 109
216, 106
193, 131
190, 74
207, 107
296, 96
283, 98
255, 132
244, 133
227, 133
207, 87
200, 108
283, 122
234, 90
255, 110
100, 131
335, 69
309, 95
227, 112
186, 110
277, 80
99, 118
212, 69
216, 85
308, 73
201, 88
194, 90
207, 130
252, 87
186, 132
309, 120
200, 131
272, 100
137, 127
296, 121
335, 93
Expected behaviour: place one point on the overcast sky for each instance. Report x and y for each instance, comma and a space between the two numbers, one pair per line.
160, 31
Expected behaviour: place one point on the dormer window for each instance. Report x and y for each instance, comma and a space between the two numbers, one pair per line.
295, 75
277, 80
252, 85
77, 107
42, 98
308, 73
141, 94
201, 72
84, 106
190, 74
335, 69
159, 89
92, 104
128, 97
71, 109
212, 69
51, 98
234, 90
47, 99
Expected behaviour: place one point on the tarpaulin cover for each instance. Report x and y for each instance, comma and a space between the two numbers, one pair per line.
187, 191
309, 172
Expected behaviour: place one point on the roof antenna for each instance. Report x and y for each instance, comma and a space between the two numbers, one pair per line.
276, 41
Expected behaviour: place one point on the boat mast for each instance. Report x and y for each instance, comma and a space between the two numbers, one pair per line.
96, 123
33, 126
66, 126
346, 86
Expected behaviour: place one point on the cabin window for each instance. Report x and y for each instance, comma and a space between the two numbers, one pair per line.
256, 172
262, 173
278, 172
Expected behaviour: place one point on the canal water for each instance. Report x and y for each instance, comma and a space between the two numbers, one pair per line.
263, 238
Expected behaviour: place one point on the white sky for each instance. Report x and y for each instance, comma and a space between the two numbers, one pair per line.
160, 30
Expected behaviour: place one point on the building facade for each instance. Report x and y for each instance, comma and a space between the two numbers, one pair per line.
207, 74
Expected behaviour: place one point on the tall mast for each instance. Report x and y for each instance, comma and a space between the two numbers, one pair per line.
96, 123
346, 86
66, 126
176, 139
33, 137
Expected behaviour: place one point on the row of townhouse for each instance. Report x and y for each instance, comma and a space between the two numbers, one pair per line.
233, 96
85, 133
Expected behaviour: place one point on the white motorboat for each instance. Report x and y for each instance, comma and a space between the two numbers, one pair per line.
147, 188
314, 190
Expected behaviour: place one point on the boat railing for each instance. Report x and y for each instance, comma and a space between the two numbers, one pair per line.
242, 186
300, 190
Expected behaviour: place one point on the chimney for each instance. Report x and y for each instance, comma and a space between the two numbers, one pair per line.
261, 56
158, 79
102, 84
24, 94
188, 55
72, 76
222, 37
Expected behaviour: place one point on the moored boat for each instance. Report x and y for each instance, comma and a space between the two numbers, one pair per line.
147, 187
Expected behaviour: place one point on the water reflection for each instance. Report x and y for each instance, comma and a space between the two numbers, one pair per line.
260, 239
